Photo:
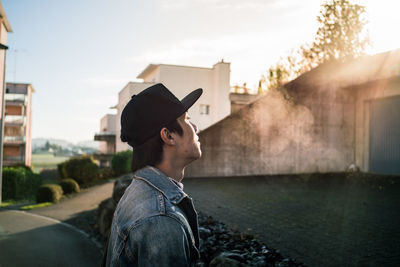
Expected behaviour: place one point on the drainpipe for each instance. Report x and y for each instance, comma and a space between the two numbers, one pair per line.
2, 47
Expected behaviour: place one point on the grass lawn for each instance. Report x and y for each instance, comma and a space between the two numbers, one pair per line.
46, 161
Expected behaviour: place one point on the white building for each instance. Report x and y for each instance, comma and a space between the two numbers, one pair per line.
212, 106
106, 138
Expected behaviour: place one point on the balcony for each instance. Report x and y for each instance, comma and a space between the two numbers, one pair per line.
104, 136
16, 98
14, 139
15, 119
104, 159
13, 160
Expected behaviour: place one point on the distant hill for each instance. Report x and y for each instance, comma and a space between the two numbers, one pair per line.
88, 146
40, 142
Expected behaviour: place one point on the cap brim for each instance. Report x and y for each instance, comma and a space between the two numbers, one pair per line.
191, 98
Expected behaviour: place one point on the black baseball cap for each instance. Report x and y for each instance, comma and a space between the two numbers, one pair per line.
152, 109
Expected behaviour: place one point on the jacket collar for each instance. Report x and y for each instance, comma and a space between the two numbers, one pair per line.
162, 183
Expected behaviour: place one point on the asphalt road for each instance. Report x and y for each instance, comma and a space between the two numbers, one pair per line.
32, 240
321, 220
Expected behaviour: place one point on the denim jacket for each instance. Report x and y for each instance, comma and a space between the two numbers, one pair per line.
154, 224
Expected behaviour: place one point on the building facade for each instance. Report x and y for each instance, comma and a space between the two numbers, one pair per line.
213, 105
17, 124
336, 117
5, 28
106, 138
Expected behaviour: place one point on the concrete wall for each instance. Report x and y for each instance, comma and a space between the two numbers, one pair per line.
238, 101
320, 123
108, 124
28, 127
3, 40
274, 135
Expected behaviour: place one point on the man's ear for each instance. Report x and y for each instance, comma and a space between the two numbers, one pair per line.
166, 136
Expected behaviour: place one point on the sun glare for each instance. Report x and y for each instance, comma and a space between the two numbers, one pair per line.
383, 24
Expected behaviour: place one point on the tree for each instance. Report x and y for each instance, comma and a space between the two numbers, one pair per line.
340, 36
285, 70
47, 145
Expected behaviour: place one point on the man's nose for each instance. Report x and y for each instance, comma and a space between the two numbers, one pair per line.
194, 127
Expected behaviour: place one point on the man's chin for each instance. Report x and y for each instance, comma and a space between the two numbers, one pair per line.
196, 156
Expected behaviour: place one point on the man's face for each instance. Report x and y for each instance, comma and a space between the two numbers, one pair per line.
188, 145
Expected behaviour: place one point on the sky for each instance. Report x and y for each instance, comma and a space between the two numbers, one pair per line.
79, 54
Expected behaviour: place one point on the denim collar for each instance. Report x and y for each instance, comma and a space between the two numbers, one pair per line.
162, 183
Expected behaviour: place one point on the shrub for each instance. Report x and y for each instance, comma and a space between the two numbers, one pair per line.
62, 173
23, 166
49, 193
82, 169
20, 183
49, 174
69, 186
106, 173
121, 162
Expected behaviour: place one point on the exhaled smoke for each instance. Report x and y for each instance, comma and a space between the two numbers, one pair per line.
281, 123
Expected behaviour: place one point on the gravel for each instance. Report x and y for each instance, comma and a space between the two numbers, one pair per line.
218, 244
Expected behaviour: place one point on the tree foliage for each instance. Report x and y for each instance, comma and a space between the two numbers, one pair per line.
121, 162
341, 36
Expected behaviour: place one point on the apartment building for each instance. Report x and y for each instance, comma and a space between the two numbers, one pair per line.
106, 138
5, 28
17, 124
212, 106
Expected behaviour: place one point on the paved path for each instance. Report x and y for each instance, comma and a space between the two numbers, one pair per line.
88, 199
38, 238
31, 240
329, 223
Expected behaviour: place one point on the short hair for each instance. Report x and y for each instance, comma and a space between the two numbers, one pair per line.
150, 152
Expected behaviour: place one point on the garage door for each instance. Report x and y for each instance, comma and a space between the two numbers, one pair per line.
384, 142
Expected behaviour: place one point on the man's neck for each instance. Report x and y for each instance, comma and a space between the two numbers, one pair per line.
171, 171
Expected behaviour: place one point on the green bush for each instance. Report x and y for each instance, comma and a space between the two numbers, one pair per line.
82, 169
121, 162
62, 172
106, 173
69, 186
49, 174
20, 183
49, 193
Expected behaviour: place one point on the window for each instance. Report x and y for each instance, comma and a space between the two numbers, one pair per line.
204, 109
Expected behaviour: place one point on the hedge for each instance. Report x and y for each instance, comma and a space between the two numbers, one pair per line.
69, 186
49, 193
82, 169
20, 183
121, 162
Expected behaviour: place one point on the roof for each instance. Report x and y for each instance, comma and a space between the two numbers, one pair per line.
5, 19
358, 71
27, 85
151, 67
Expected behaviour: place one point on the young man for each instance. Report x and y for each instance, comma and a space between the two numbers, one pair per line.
155, 223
